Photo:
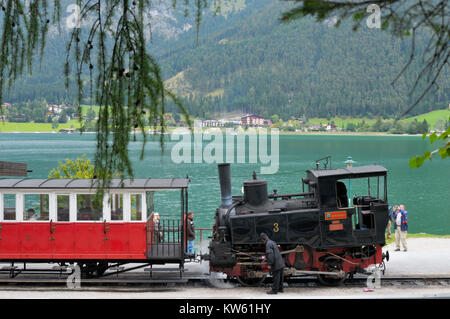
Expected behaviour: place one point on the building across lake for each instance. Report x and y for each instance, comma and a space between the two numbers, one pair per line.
67, 130
213, 123
247, 120
255, 120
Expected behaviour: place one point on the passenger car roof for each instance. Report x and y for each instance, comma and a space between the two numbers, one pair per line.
137, 183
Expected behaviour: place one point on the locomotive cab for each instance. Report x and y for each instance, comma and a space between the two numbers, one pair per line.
353, 202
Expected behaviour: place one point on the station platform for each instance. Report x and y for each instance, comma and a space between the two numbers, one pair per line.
424, 257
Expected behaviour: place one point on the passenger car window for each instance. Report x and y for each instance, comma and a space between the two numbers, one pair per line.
36, 207
63, 207
116, 207
136, 207
9, 206
88, 208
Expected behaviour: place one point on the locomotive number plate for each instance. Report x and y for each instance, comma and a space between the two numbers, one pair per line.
276, 227
336, 227
335, 215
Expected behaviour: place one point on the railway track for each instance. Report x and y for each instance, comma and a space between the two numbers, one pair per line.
143, 282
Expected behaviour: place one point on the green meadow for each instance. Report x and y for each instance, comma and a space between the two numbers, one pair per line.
431, 118
7, 127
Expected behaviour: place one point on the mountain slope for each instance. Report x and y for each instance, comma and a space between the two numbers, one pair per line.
303, 67
247, 61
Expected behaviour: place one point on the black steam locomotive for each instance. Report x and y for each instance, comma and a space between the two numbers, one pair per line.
323, 230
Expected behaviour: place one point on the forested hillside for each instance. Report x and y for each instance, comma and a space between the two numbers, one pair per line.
258, 65
246, 61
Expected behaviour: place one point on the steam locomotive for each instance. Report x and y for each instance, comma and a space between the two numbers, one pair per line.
323, 231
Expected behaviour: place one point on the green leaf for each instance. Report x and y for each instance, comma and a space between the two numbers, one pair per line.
419, 161
444, 152
424, 135
433, 137
427, 155
412, 162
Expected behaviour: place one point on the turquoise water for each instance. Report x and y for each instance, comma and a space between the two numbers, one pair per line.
425, 191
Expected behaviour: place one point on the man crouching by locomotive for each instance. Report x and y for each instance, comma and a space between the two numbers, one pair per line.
276, 263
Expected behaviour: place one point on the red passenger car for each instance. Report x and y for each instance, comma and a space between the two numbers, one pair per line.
62, 221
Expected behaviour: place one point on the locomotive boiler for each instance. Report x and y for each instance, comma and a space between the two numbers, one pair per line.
334, 228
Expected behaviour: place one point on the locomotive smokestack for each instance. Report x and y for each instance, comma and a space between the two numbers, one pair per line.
225, 184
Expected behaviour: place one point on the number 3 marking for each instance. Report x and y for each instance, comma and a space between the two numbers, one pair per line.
276, 227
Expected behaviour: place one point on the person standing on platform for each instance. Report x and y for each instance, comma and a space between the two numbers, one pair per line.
276, 263
401, 227
190, 233
157, 230
390, 220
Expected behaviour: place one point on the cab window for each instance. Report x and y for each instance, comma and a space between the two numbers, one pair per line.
341, 195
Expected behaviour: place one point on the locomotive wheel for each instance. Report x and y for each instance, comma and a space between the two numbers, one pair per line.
251, 282
331, 265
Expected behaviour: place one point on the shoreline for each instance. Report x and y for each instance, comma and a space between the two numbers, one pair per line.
348, 133
234, 133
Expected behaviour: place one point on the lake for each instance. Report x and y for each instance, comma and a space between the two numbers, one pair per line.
425, 191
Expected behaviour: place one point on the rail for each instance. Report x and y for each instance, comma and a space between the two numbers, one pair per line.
42, 281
